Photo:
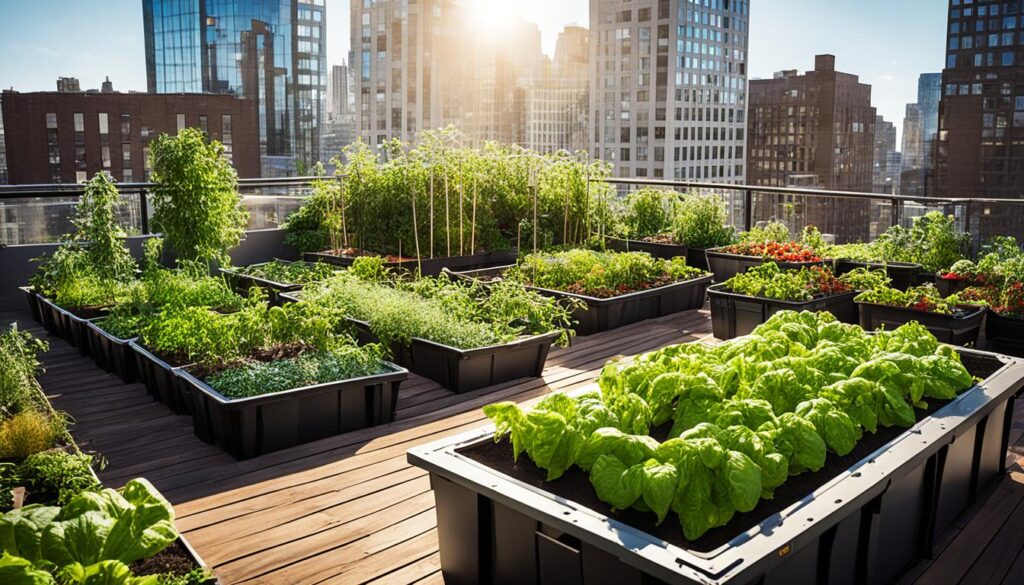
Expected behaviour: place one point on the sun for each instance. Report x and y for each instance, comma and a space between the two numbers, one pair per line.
491, 16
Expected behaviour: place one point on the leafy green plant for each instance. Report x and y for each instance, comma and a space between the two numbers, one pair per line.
290, 272
921, 298
866, 279
55, 477
599, 274
649, 212
702, 221
19, 365
744, 415
766, 232
195, 201
771, 282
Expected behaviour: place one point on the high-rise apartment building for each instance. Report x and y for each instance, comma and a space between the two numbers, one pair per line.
558, 97
68, 84
668, 87
920, 127
981, 113
337, 91
885, 145
912, 177
269, 51
817, 128
426, 64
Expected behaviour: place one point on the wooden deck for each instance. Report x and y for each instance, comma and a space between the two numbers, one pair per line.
350, 510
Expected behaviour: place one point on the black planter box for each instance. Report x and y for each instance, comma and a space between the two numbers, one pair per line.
465, 370
160, 381
249, 427
78, 333
949, 286
53, 318
949, 329
618, 311
111, 353
864, 525
903, 275
924, 278
663, 251
33, 303
243, 282
428, 266
725, 265
734, 315
698, 258
1004, 334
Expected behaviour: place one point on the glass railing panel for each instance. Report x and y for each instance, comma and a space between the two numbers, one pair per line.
42, 220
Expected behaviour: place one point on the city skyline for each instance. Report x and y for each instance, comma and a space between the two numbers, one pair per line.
43, 41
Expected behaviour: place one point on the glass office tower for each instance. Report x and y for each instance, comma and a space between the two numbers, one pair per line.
270, 51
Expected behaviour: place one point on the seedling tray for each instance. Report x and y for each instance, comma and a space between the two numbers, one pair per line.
664, 251
428, 266
733, 315
606, 314
951, 329
725, 265
243, 282
249, 427
903, 275
111, 353
160, 381
864, 524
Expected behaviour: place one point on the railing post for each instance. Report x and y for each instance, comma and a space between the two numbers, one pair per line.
748, 210
143, 213
896, 211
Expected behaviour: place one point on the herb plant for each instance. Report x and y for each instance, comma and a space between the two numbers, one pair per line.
701, 221
771, 282
649, 212
290, 272
924, 298
55, 477
744, 415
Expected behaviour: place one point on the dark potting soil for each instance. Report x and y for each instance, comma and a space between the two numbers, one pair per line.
265, 355
173, 559
576, 486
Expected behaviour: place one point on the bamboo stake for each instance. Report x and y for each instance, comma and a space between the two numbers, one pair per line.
416, 234
462, 204
431, 210
447, 217
344, 222
472, 223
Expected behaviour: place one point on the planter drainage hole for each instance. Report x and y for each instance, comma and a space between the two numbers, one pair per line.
856, 474
839, 501
566, 513
810, 519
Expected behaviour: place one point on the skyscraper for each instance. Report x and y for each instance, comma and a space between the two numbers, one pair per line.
912, 175
814, 129
668, 88
920, 127
981, 113
558, 96
270, 51
337, 91
885, 146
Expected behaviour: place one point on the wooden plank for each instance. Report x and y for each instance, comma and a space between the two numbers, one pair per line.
1005, 546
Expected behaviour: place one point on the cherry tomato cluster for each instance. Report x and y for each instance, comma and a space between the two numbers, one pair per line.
780, 252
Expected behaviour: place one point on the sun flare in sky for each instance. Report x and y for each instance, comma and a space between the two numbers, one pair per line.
491, 16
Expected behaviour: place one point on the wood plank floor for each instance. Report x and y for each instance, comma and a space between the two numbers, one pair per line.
350, 510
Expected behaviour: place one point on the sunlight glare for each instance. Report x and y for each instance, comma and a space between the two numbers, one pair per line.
491, 16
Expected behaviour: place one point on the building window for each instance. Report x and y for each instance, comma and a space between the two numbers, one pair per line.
126, 127
51, 120
104, 121
79, 122
181, 122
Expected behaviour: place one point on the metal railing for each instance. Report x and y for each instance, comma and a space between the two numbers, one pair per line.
32, 214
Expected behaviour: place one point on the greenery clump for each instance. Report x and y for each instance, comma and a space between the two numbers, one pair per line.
600, 274
925, 298
649, 212
195, 201
29, 432
55, 477
290, 272
932, 241
766, 232
702, 221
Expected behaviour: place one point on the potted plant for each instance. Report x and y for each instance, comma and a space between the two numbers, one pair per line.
746, 300
738, 463
609, 289
701, 223
462, 335
952, 319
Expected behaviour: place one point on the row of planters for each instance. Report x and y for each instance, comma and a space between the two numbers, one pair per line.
809, 451
58, 523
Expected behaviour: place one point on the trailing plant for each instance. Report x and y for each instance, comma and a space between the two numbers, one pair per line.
195, 201
744, 415
702, 221
599, 274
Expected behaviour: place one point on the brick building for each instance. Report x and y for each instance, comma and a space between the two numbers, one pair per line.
62, 137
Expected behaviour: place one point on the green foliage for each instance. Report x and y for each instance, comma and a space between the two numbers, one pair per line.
55, 477
19, 365
866, 278
290, 272
599, 274
765, 232
702, 221
91, 540
196, 202
932, 242
649, 212
745, 414
257, 378
29, 432
770, 282
922, 298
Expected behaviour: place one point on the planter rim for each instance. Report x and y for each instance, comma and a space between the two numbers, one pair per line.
631, 240
137, 346
879, 263
96, 325
396, 374
772, 538
719, 290
468, 353
705, 276
281, 286
978, 311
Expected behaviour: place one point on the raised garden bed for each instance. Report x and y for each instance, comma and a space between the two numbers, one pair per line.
656, 249
958, 329
604, 314
862, 518
725, 265
252, 426
734, 315
427, 266
111, 353
951, 286
1004, 334
160, 381
903, 275
242, 282
33, 303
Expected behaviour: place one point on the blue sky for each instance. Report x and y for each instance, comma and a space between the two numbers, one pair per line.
888, 43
